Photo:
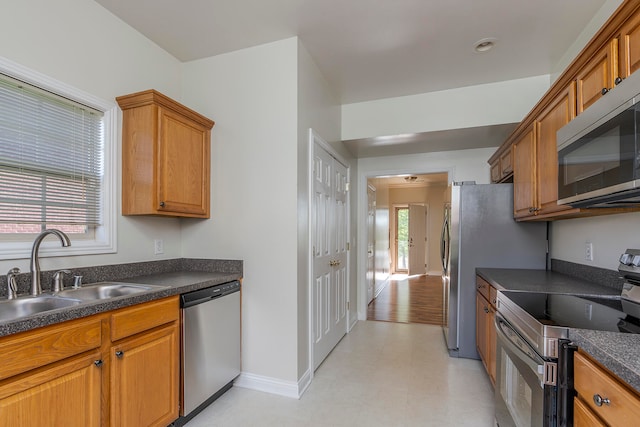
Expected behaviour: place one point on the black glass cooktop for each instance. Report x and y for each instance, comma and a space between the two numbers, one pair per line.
584, 312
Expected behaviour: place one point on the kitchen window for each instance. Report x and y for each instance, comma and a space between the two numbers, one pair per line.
56, 152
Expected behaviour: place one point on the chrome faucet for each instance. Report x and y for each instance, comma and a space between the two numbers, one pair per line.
12, 286
36, 288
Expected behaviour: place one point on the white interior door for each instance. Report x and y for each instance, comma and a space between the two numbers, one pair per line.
417, 239
329, 239
371, 243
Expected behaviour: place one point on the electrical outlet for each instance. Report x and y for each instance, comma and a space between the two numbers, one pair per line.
588, 251
158, 246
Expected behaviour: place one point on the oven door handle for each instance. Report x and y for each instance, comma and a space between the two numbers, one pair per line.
510, 339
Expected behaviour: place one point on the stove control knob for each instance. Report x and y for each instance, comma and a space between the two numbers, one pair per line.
626, 259
635, 261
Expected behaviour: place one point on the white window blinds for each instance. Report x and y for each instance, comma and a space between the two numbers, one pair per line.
51, 157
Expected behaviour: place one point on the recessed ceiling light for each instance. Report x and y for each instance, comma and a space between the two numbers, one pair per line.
485, 44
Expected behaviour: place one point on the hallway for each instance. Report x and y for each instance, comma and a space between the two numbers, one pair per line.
413, 299
381, 374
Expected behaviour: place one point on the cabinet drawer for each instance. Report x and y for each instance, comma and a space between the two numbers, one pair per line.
583, 416
33, 349
132, 320
483, 287
591, 380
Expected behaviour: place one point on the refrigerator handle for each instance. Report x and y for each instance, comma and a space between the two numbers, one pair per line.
444, 242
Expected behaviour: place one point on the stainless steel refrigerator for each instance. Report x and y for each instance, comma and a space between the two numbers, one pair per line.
479, 231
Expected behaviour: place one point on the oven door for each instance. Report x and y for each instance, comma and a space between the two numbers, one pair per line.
525, 393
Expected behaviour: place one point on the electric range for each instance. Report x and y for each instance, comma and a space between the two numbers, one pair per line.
534, 369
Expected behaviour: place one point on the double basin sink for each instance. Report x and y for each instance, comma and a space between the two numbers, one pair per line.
27, 306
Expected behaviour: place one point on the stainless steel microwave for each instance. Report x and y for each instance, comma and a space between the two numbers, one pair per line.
599, 151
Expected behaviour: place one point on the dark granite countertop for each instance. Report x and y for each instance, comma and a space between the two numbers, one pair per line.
175, 283
542, 281
618, 352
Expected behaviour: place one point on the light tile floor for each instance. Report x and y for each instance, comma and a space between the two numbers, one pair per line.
380, 374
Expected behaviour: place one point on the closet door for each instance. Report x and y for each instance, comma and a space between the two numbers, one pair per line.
330, 216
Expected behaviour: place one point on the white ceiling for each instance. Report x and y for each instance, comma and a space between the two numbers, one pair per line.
370, 49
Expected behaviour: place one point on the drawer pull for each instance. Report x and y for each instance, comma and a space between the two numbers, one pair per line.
119, 355
599, 400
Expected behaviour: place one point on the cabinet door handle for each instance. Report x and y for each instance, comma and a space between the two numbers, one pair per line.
119, 354
599, 400
604, 90
618, 80
98, 363
162, 204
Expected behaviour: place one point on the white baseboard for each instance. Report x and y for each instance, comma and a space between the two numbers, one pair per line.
271, 385
435, 273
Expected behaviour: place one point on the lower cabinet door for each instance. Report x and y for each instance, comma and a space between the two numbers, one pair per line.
145, 379
583, 417
65, 394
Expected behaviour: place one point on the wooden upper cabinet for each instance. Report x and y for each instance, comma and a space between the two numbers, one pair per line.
506, 163
524, 174
165, 157
501, 166
598, 76
495, 171
557, 114
630, 46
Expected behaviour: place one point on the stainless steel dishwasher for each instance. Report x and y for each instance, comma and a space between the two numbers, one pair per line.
210, 345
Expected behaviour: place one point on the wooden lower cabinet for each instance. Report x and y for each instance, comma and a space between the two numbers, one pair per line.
75, 374
619, 404
485, 329
145, 379
584, 417
66, 394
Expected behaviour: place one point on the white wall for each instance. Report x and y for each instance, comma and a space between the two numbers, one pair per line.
610, 236
252, 95
81, 44
481, 105
463, 165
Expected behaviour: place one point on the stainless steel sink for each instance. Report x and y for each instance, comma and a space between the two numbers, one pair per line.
105, 290
27, 306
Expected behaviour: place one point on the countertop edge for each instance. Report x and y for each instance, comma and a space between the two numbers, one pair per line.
183, 282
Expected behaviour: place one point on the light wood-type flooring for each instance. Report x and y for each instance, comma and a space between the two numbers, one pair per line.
415, 299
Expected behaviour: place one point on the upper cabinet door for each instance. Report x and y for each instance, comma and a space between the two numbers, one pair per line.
524, 174
597, 77
630, 46
183, 166
559, 112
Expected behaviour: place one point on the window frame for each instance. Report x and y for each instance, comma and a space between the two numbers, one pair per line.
104, 239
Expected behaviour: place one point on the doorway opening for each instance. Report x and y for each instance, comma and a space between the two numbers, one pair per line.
401, 254
404, 245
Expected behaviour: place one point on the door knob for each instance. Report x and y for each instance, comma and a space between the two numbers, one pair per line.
599, 400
